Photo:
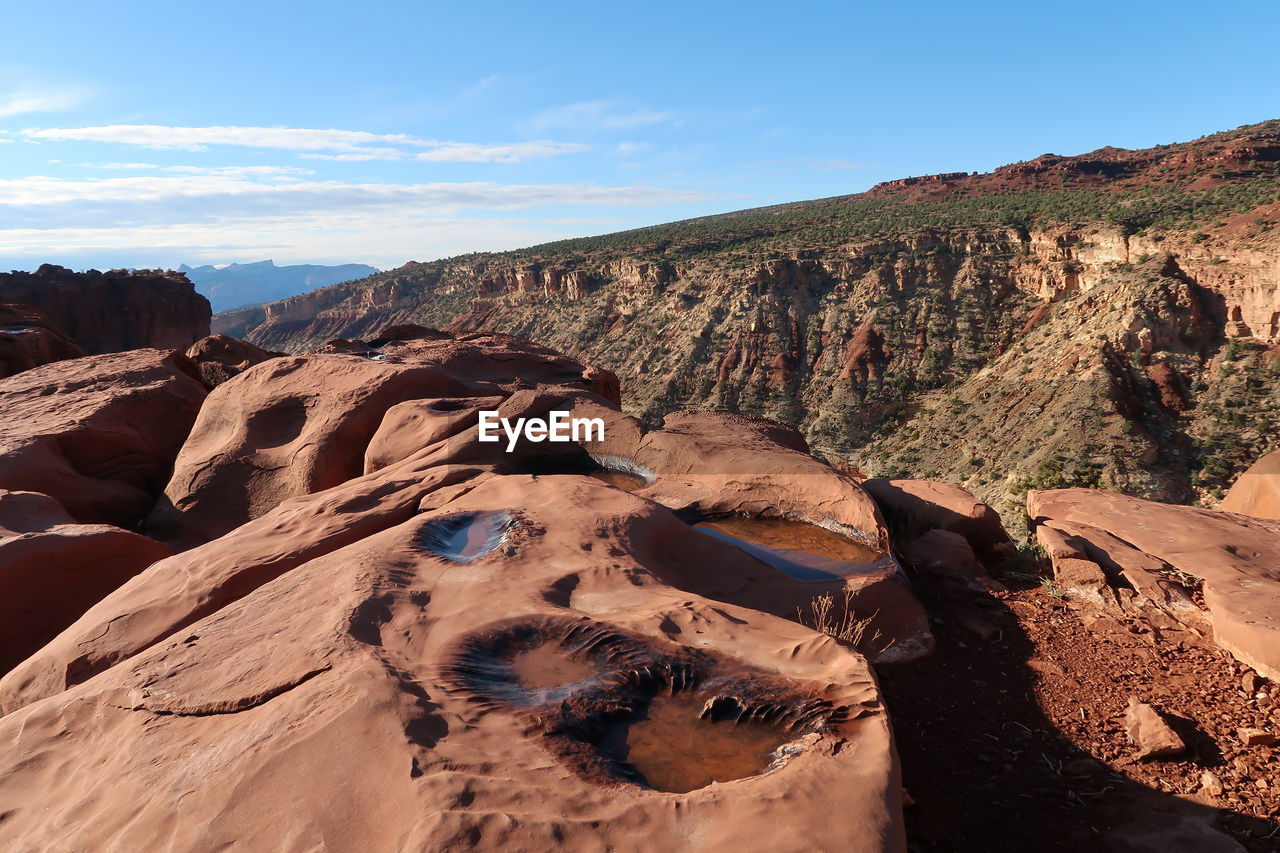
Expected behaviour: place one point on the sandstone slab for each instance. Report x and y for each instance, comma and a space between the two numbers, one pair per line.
1170, 549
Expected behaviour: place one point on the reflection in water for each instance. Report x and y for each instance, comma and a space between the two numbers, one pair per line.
801, 550
548, 665
467, 537
624, 480
676, 751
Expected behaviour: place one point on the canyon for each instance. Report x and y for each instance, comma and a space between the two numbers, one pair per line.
942, 517
1103, 320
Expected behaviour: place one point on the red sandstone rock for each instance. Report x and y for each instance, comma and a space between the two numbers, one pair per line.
28, 339
1150, 733
926, 504
946, 555
1153, 545
1257, 491
52, 570
300, 424
316, 710
220, 357
113, 311
99, 433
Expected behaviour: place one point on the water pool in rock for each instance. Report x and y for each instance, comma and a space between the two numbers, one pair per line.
676, 751
548, 666
624, 480
801, 550
467, 537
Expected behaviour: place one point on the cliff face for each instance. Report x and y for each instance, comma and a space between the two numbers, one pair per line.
113, 311
1117, 329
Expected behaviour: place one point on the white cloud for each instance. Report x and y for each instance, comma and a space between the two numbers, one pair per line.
599, 115
361, 156
336, 238
515, 152
309, 143
199, 138
27, 101
152, 199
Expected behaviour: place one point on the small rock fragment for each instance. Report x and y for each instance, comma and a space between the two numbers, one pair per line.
1211, 783
1148, 730
1249, 681
1256, 737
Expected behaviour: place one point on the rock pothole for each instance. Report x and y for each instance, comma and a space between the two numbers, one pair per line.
619, 708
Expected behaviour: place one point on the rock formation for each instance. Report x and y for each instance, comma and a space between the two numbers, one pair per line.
98, 434
52, 570
1125, 552
219, 358
28, 339
447, 642
1257, 492
113, 311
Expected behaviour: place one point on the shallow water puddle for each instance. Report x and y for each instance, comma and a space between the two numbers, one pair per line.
547, 666
676, 751
801, 550
467, 537
624, 480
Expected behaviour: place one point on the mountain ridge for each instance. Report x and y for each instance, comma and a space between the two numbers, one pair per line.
1108, 287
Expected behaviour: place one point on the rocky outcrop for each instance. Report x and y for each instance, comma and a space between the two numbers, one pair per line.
301, 424
340, 664
1143, 553
28, 339
52, 570
113, 311
917, 506
98, 434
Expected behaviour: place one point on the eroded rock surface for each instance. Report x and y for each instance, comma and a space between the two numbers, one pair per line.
116, 310
29, 339
1139, 553
52, 570
297, 425
468, 646
99, 434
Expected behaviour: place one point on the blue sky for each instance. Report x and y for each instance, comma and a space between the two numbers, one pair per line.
149, 134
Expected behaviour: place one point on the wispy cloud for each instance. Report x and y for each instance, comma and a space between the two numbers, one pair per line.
54, 202
606, 115
516, 152
219, 171
200, 138
25, 101
309, 143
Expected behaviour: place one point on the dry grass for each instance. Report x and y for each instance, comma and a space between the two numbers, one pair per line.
846, 627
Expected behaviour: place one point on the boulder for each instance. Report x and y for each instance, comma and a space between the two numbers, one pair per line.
220, 357
1148, 731
945, 555
52, 570
98, 434
28, 339
920, 505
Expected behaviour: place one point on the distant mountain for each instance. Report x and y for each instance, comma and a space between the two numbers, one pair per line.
238, 285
